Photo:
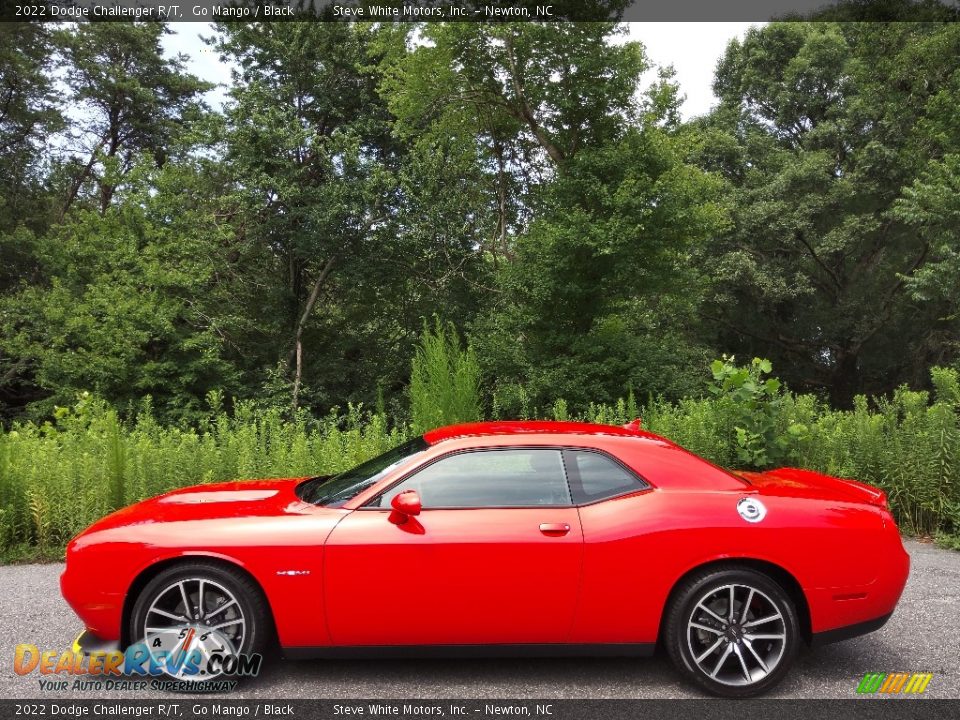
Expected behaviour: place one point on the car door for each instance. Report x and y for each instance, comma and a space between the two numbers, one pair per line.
493, 557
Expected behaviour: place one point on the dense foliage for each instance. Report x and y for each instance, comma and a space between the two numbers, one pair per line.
526, 183
838, 141
527, 192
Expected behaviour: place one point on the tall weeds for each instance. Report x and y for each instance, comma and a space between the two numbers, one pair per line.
58, 477
444, 380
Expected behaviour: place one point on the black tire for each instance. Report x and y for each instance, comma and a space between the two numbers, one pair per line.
253, 607
692, 603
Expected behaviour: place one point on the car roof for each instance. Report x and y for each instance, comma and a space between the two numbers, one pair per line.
541, 427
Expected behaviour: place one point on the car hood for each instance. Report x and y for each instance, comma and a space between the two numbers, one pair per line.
238, 499
794, 482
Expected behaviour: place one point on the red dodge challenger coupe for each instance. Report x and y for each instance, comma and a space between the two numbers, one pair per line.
543, 538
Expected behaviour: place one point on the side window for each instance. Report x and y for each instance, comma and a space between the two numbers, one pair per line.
594, 476
489, 478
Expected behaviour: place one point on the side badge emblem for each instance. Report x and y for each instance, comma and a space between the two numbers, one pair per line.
751, 510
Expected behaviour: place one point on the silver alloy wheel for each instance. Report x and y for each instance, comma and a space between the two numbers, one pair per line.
736, 634
194, 614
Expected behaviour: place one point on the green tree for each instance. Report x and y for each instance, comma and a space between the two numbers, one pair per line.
133, 99
932, 206
134, 304
511, 103
822, 131
309, 149
585, 205
29, 112
356, 239
601, 296
128, 103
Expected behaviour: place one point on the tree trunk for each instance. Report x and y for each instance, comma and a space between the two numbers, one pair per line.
298, 343
844, 380
525, 113
81, 179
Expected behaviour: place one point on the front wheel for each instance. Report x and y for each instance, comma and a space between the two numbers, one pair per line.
733, 631
192, 616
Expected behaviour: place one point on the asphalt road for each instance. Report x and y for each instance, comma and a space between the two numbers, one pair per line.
922, 636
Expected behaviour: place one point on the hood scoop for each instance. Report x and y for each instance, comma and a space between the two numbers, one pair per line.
217, 496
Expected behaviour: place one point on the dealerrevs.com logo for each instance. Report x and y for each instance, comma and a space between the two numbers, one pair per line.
898, 683
186, 660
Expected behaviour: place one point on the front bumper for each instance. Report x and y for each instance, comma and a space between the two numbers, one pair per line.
99, 610
87, 642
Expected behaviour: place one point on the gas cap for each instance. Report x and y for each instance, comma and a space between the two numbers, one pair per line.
751, 509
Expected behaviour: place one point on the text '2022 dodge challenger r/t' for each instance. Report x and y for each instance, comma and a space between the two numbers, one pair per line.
544, 538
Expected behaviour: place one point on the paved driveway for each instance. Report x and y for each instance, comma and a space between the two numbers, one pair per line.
922, 636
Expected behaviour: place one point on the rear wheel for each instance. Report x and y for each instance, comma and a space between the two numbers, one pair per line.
733, 631
199, 608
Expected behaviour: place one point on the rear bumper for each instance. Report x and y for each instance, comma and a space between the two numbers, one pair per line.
848, 631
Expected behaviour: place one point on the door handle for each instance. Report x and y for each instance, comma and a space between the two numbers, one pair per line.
554, 529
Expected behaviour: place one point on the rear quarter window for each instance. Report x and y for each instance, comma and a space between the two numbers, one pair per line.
596, 476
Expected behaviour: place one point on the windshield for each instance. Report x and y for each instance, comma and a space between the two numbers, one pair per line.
336, 490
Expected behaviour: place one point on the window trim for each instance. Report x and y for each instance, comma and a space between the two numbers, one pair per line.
645, 485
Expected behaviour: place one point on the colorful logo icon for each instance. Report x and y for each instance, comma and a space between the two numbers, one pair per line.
894, 683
